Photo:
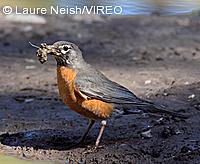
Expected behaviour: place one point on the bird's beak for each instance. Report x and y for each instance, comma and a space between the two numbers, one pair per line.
51, 50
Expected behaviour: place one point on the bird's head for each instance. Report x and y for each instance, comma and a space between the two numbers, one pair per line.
65, 53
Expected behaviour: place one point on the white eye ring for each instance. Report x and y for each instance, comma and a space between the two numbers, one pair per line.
64, 49
64, 52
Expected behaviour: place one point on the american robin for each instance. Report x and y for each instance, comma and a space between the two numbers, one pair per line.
87, 91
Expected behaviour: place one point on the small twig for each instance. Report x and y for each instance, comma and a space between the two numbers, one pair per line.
33, 45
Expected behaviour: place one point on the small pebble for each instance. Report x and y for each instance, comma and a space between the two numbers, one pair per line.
191, 96
29, 60
147, 134
147, 82
30, 67
186, 83
165, 94
28, 100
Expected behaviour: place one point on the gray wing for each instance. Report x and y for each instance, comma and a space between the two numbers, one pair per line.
95, 85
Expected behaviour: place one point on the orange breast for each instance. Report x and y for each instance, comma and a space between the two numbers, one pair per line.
93, 109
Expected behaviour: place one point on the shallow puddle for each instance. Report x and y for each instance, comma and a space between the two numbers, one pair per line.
4, 159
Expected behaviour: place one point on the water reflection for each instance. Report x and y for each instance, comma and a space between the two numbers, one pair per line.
129, 6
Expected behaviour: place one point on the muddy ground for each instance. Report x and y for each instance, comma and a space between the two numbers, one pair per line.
156, 57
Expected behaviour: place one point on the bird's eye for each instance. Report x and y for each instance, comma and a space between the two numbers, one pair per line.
65, 48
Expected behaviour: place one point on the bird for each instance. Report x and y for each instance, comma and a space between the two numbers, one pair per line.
89, 92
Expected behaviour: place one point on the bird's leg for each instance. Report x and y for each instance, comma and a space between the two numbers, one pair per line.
91, 123
103, 125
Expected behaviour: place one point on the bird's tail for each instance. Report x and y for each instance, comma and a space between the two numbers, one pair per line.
150, 107
155, 108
